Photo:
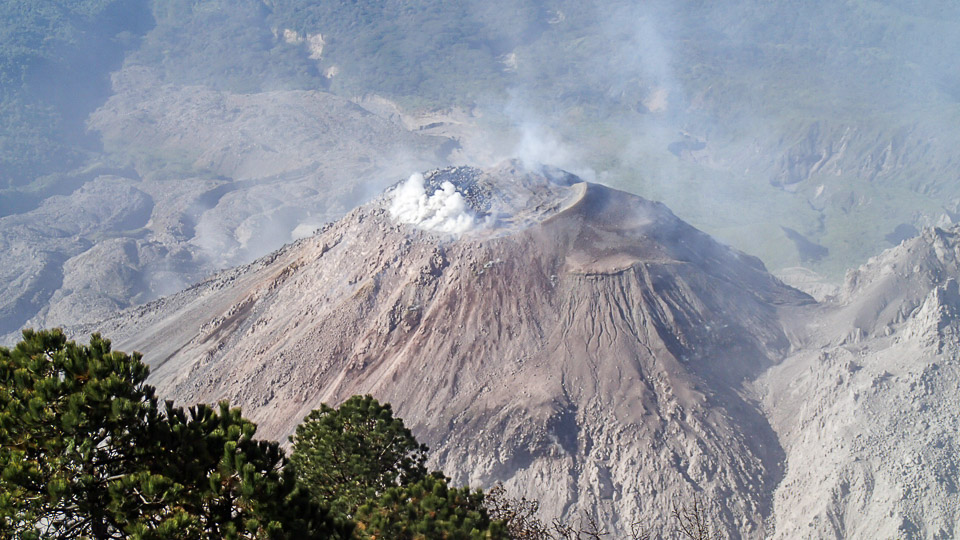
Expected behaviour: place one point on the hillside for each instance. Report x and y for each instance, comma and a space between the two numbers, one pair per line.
577, 337
55, 61
866, 407
591, 350
215, 179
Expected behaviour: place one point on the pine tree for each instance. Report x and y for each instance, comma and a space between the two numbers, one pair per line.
427, 509
222, 484
86, 451
363, 461
72, 422
352, 454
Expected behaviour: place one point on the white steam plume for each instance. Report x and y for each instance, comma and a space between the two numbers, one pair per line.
538, 146
444, 211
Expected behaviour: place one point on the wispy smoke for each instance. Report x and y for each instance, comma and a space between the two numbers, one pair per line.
443, 211
537, 144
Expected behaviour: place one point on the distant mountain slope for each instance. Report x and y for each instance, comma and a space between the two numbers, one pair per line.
55, 61
832, 119
835, 121
581, 344
215, 179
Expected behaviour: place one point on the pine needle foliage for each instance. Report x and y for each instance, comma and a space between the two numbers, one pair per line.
86, 451
71, 418
361, 459
427, 509
352, 454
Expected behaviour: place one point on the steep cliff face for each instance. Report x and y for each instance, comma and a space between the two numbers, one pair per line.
581, 344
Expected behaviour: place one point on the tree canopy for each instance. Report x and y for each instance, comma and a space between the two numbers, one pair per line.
428, 508
86, 451
363, 461
354, 453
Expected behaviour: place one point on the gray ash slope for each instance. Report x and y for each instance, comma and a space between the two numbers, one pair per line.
867, 407
582, 345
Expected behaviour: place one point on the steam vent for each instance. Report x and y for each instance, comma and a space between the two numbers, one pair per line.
467, 199
582, 345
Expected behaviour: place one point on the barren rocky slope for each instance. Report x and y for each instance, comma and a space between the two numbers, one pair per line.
581, 344
593, 351
205, 180
867, 409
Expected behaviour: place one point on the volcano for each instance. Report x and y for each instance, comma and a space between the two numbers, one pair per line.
582, 345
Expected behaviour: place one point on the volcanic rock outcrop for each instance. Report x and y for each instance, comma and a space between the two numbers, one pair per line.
593, 351
867, 407
583, 345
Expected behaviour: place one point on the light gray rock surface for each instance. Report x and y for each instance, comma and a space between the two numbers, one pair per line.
868, 408
206, 180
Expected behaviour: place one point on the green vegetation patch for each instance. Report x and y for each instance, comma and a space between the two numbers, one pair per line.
55, 57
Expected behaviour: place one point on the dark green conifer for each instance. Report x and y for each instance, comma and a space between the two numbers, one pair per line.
87, 452
428, 509
72, 423
354, 453
363, 461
